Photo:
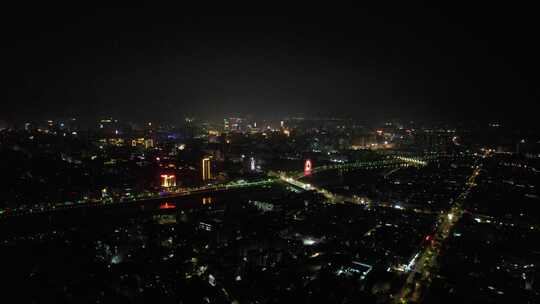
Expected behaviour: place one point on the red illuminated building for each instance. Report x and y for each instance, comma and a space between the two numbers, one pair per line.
307, 167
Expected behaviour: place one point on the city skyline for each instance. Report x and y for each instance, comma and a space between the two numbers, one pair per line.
384, 155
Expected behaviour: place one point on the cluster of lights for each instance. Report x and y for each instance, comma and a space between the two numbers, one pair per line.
168, 180
412, 160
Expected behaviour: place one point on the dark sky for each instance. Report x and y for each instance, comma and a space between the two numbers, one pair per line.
148, 63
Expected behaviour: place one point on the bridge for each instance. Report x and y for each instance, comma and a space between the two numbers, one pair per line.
389, 162
169, 195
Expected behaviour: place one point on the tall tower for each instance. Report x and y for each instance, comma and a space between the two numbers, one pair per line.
307, 167
206, 168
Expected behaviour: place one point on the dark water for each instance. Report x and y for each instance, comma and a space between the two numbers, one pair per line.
117, 213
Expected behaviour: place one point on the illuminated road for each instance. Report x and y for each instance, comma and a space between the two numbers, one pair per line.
391, 162
422, 269
305, 186
224, 187
171, 195
395, 162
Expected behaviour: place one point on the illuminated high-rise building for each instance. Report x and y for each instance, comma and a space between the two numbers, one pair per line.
206, 168
168, 180
252, 163
148, 143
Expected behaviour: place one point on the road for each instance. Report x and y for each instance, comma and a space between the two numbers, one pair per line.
395, 161
422, 272
224, 187
171, 195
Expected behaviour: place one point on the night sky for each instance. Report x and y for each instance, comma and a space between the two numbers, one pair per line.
147, 63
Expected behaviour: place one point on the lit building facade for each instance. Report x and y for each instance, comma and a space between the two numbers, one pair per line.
168, 180
147, 143
206, 168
